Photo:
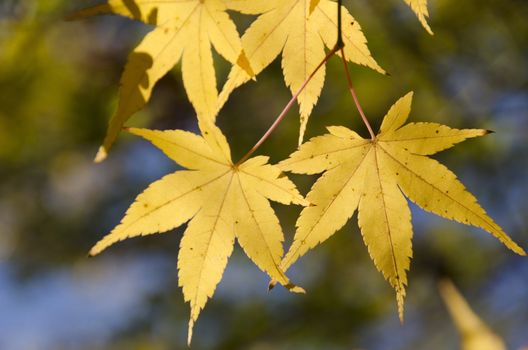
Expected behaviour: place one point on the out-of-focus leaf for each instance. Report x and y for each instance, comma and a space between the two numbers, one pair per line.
475, 334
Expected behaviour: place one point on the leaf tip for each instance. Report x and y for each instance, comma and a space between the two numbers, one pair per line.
92, 253
99, 247
294, 288
243, 62
520, 251
429, 30
306, 203
290, 287
427, 27
300, 200
271, 285
400, 296
400, 313
511, 245
101, 155
190, 332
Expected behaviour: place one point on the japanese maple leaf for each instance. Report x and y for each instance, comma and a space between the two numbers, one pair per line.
223, 201
420, 8
300, 29
183, 30
374, 176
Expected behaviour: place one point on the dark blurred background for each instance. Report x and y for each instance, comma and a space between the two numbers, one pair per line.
58, 87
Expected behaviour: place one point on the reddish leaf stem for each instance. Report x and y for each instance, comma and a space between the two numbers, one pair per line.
355, 98
287, 108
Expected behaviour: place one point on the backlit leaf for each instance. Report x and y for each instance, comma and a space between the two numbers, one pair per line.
300, 29
223, 201
183, 30
420, 8
373, 176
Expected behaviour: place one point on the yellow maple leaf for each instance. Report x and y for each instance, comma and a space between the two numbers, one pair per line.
300, 29
373, 175
420, 8
223, 201
183, 30
475, 334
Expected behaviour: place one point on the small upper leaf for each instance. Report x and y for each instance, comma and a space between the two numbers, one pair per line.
183, 30
223, 202
373, 176
300, 29
420, 8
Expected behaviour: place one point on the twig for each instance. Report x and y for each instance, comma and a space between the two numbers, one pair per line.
355, 98
287, 108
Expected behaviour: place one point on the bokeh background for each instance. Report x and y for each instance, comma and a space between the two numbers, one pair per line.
58, 87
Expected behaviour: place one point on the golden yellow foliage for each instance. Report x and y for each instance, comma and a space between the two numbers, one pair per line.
224, 201
300, 29
183, 30
420, 8
373, 175
475, 334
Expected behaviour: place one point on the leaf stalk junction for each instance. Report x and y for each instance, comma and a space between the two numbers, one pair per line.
340, 44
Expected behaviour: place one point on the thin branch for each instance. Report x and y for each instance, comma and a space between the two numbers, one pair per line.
340, 43
287, 108
355, 98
